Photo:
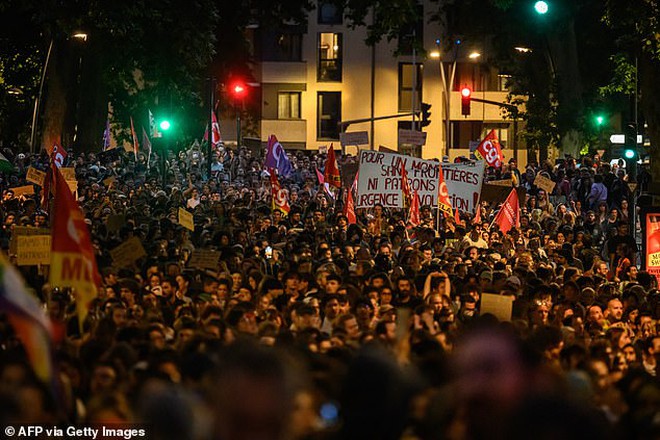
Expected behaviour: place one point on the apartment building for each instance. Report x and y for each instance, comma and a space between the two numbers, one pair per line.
313, 77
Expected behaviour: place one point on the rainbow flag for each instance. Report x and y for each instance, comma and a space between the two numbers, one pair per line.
28, 319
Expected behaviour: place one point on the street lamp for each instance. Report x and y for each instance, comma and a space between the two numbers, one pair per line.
446, 89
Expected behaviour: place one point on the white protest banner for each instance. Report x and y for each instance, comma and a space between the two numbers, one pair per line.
464, 181
379, 179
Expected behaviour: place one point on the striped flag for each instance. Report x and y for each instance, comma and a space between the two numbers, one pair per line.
146, 143
136, 146
28, 319
153, 128
106, 135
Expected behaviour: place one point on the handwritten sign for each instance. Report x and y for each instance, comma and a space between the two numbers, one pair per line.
504, 182
186, 219
26, 190
204, 259
35, 176
544, 183
18, 231
127, 253
32, 250
498, 305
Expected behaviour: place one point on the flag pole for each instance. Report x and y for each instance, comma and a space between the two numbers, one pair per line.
209, 145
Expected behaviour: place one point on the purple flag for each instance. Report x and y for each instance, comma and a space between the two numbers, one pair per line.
106, 135
276, 157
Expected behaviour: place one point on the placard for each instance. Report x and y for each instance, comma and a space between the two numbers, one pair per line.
544, 183
109, 180
32, 250
68, 173
354, 138
498, 305
204, 259
412, 137
127, 253
18, 231
186, 219
35, 176
505, 182
26, 190
379, 181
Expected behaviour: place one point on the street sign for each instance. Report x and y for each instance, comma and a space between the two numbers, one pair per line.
621, 139
354, 138
412, 137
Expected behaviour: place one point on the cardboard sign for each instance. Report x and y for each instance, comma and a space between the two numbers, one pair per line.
68, 173
544, 183
127, 253
18, 231
411, 137
204, 259
26, 190
35, 176
73, 185
32, 250
186, 219
505, 182
464, 182
354, 138
498, 305
109, 181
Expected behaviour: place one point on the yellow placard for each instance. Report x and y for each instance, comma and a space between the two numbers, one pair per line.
186, 219
26, 190
68, 173
32, 250
544, 183
35, 176
654, 260
128, 252
498, 305
505, 182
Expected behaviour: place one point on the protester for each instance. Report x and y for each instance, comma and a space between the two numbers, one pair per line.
258, 324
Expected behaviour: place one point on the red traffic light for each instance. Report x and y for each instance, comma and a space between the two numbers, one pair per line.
238, 90
466, 96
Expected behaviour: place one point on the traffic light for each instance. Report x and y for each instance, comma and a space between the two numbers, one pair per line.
541, 7
238, 90
599, 120
630, 152
630, 134
466, 96
426, 114
165, 125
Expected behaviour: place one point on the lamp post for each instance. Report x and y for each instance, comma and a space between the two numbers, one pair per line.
446, 88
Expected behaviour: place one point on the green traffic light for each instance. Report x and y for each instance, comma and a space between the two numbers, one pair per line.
165, 125
541, 7
600, 120
629, 154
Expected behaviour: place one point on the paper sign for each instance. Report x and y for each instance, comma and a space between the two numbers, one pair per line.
505, 182
32, 250
128, 252
35, 176
186, 219
354, 138
18, 231
68, 173
544, 183
498, 305
412, 137
26, 190
204, 259
73, 185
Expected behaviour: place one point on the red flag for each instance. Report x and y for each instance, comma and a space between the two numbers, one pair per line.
217, 137
59, 155
349, 209
509, 215
405, 183
280, 202
457, 217
331, 174
489, 149
72, 260
413, 217
136, 146
443, 194
477, 217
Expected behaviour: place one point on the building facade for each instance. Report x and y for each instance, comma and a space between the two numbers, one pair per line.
316, 76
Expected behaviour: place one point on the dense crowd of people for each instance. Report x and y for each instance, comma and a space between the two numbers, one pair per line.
310, 327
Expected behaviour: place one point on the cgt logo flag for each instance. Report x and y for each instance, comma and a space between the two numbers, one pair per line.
489, 149
444, 204
59, 155
331, 172
72, 260
280, 202
509, 215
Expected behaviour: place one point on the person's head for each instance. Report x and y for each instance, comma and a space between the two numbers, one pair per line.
614, 310
331, 307
348, 324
